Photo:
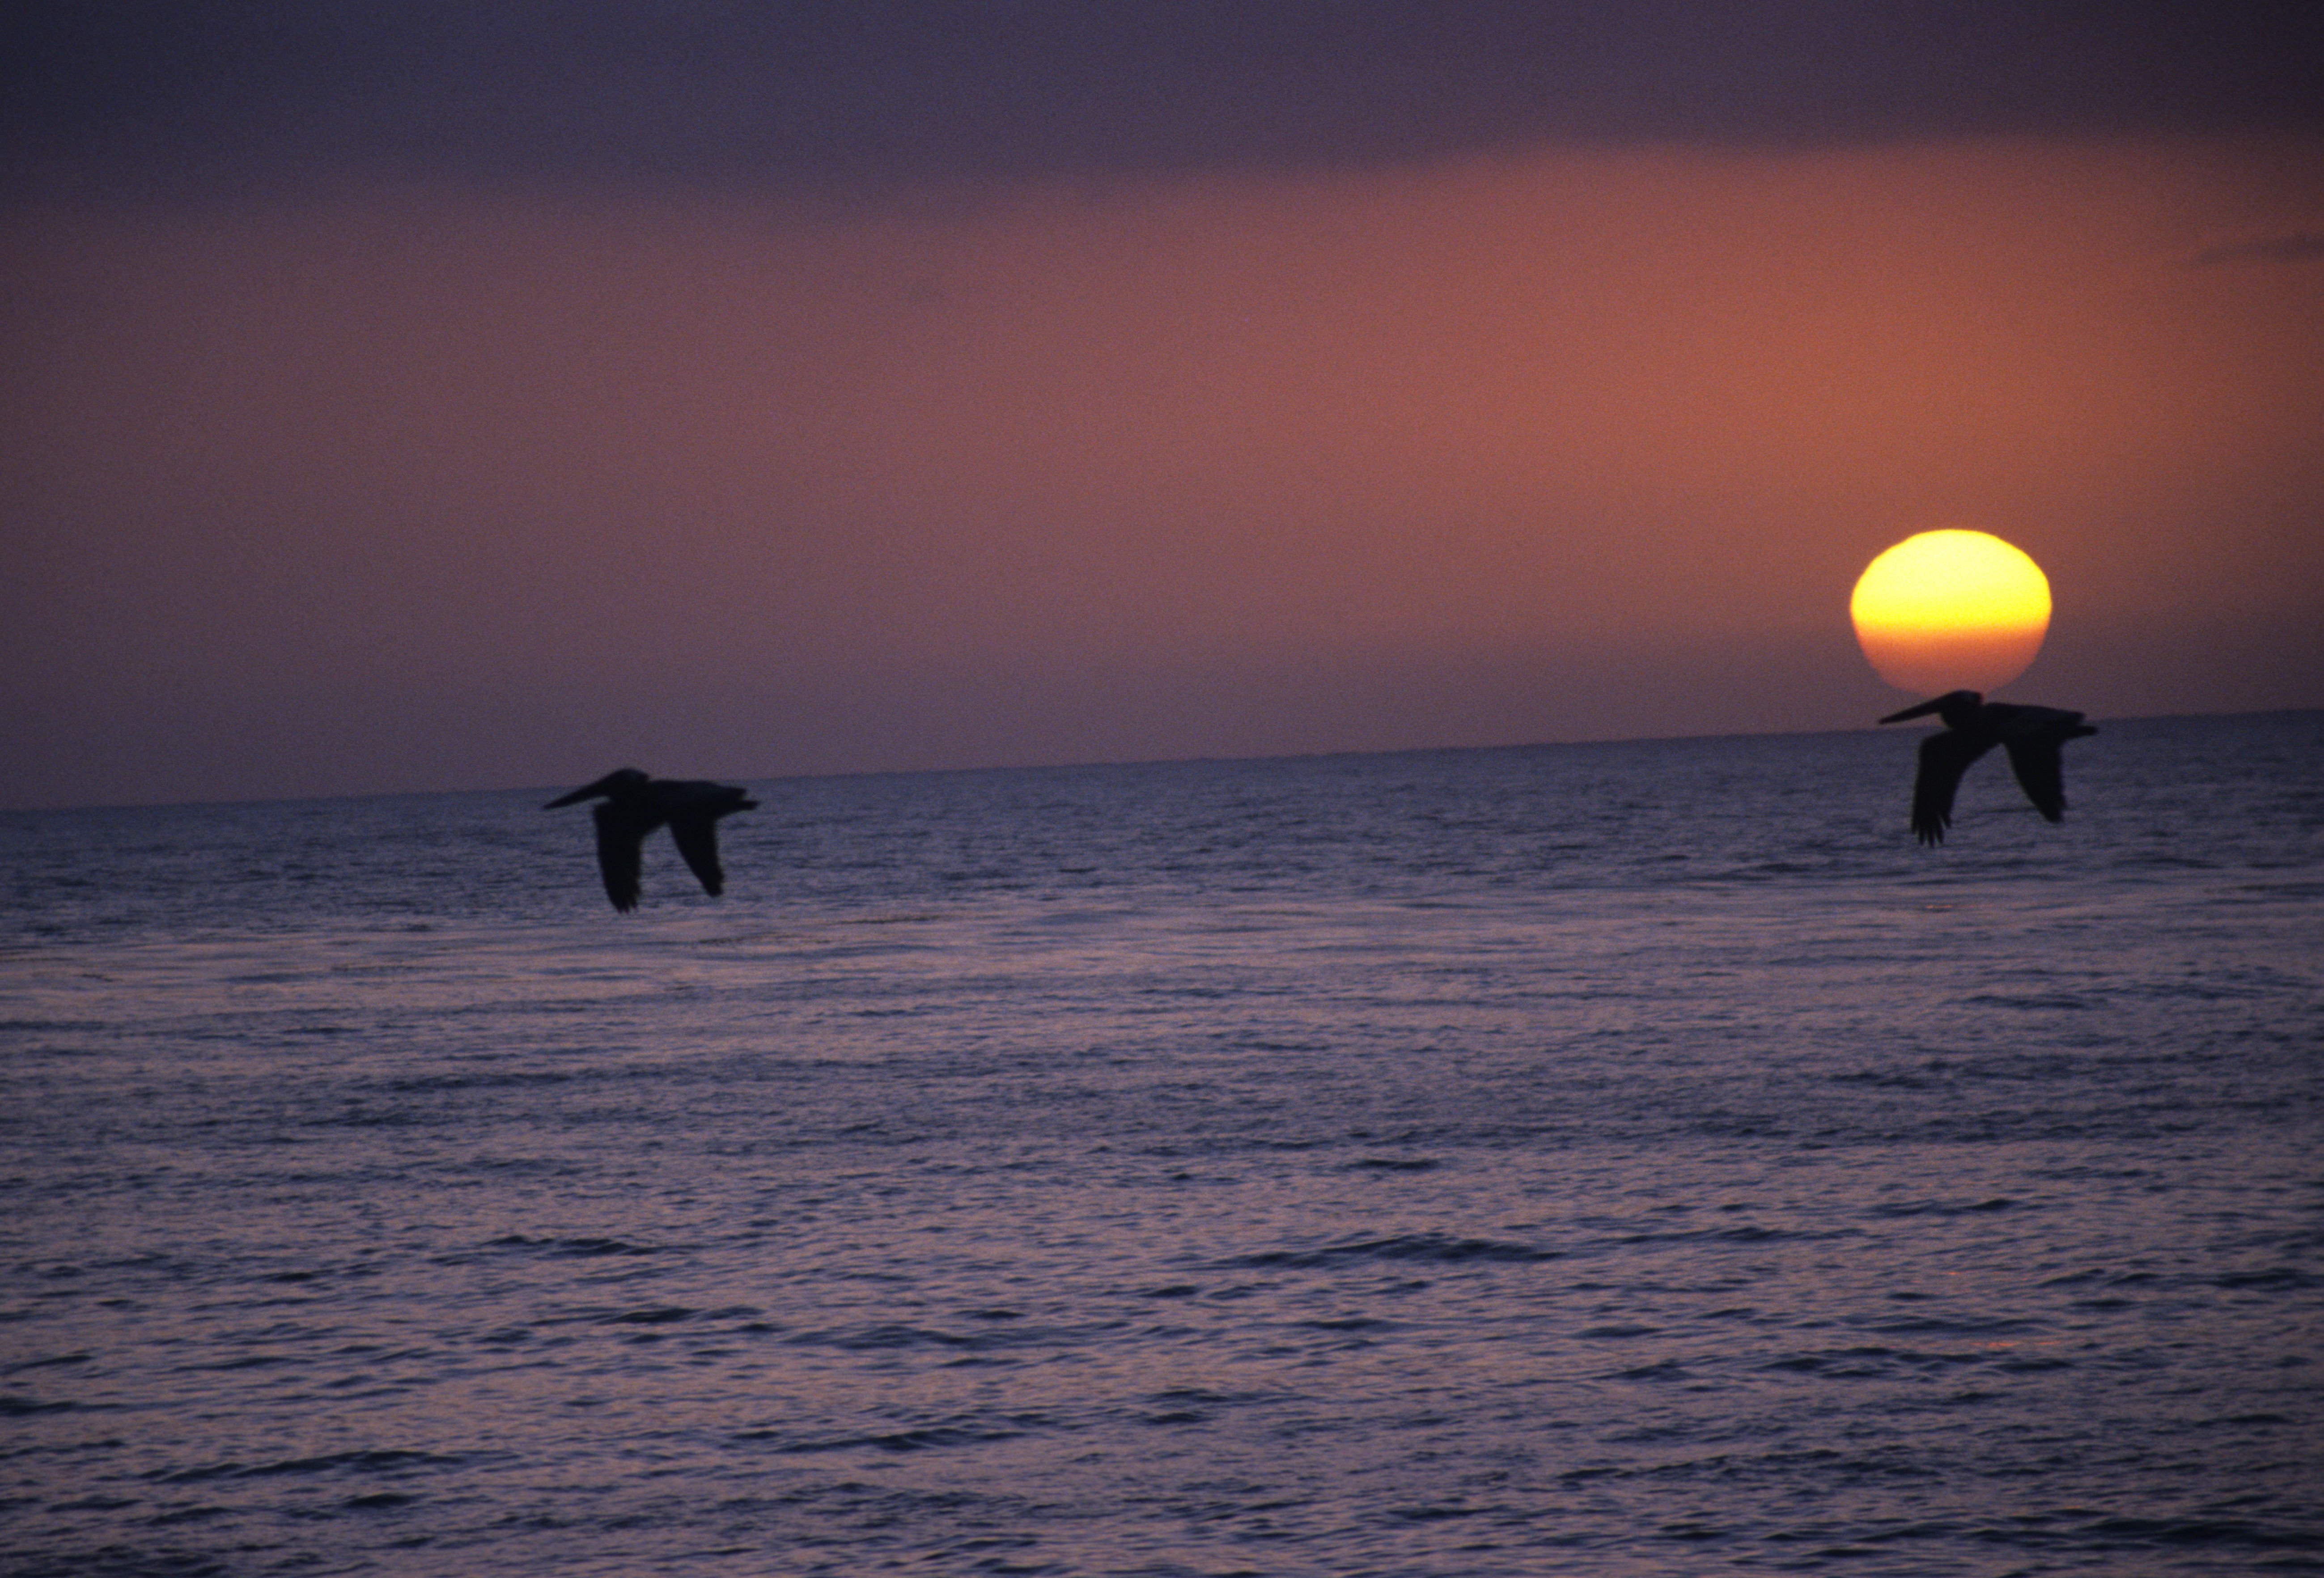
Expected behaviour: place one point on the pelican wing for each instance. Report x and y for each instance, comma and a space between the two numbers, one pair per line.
1945, 755
621, 840
696, 832
2040, 773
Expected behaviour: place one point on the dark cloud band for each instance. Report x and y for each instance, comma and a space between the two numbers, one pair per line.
172, 96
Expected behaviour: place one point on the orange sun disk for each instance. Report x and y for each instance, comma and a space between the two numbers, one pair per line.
1951, 610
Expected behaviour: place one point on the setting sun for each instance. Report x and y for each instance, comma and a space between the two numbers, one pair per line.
1950, 611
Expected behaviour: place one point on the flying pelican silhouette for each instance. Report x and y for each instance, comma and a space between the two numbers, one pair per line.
2032, 735
635, 804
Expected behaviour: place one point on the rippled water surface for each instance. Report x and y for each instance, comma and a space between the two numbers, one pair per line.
1607, 1158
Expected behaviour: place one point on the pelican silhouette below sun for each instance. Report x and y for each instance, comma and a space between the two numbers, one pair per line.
2032, 735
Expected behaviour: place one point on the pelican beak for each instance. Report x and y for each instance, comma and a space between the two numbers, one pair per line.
587, 791
1921, 711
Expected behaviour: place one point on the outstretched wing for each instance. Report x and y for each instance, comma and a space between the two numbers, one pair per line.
621, 838
1945, 755
697, 833
2041, 774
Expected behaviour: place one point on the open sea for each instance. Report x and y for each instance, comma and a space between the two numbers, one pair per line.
1626, 1158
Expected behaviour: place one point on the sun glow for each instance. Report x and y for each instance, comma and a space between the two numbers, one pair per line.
1951, 610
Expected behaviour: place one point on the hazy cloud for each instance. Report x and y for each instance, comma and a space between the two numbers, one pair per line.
2301, 246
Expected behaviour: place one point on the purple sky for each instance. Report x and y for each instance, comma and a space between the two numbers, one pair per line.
434, 396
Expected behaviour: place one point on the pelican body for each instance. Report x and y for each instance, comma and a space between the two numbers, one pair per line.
635, 804
2032, 735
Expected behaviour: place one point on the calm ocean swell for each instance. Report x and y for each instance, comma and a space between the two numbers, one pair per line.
1612, 1158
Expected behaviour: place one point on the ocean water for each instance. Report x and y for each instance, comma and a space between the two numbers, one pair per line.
1611, 1159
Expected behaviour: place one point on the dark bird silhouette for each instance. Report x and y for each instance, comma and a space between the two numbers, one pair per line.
2032, 735
635, 804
